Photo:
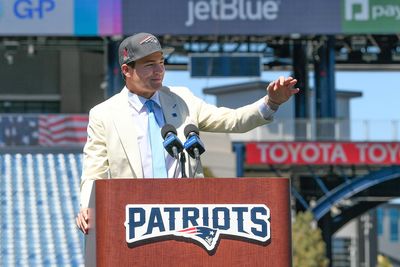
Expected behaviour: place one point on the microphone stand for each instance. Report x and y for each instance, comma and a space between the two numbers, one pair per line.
183, 161
176, 156
197, 157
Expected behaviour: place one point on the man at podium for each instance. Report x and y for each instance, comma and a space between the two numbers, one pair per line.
124, 139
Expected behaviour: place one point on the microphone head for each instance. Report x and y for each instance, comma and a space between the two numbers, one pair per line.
191, 128
168, 128
193, 143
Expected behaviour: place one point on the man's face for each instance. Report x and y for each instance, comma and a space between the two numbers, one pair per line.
147, 75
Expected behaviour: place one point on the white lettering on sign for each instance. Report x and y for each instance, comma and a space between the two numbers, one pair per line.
227, 10
324, 153
364, 10
386, 11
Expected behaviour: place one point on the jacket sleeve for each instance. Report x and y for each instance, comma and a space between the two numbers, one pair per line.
221, 119
95, 162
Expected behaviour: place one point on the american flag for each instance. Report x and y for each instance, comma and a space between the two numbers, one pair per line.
18, 130
62, 129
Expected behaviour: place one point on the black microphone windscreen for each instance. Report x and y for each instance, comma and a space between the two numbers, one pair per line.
189, 129
167, 128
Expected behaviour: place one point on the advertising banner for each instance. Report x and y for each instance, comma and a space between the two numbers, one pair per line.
60, 17
370, 16
197, 17
36, 16
232, 16
323, 153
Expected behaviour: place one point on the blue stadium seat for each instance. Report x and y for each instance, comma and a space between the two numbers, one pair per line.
39, 198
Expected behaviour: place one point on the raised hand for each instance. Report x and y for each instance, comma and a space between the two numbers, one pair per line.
280, 90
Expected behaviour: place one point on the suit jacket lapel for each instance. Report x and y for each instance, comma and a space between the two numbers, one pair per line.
176, 113
125, 127
171, 108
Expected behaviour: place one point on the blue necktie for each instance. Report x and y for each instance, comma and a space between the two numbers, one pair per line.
156, 143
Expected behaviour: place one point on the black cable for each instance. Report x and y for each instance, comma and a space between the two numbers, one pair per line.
183, 161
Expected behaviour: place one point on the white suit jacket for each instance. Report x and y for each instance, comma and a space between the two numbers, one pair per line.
112, 150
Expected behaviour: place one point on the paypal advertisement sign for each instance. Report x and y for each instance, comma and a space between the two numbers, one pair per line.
232, 16
36, 17
371, 16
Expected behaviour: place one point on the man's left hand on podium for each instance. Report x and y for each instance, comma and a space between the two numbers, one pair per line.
82, 220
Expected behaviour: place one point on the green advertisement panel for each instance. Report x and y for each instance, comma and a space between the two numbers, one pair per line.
371, 16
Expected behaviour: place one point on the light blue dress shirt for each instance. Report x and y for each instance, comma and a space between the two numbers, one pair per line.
139, 115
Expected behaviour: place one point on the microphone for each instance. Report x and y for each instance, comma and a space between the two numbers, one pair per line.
171, 142
193, 144
174, 146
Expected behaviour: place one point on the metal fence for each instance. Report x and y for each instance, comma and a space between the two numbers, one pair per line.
70, 129
324, 130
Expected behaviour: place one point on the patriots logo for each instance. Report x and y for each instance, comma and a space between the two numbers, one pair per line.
126, 55
149, 39
203, 223
208, 237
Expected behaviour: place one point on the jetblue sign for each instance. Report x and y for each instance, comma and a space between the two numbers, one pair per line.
224, 10
203, 224
245, 17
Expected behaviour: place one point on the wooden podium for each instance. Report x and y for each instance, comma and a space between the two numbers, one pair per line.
106, 243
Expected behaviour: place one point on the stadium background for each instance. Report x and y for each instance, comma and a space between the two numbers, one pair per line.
59, 59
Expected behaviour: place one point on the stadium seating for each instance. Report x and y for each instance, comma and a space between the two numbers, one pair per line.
39, 196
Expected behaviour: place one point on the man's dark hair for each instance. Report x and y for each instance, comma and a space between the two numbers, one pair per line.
130, 64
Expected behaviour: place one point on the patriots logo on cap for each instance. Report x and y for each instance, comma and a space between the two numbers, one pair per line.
149, 39
126, 55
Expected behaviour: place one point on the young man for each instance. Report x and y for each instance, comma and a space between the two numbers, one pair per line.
121, 130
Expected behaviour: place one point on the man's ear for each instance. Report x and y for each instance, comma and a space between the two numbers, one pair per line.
125, 70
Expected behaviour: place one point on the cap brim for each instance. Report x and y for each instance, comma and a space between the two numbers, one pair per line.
167, 50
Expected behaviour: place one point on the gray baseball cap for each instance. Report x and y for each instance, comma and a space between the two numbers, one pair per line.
138, 46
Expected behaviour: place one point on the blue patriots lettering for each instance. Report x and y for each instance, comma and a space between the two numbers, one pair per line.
202, 223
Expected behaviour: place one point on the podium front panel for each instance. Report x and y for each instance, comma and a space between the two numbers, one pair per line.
113, 196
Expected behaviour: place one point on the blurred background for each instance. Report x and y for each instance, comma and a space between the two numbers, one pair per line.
337, 140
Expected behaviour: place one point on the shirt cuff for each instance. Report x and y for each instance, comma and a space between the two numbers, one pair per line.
86, 192
265, 110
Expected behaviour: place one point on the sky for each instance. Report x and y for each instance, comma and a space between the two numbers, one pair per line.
379, 105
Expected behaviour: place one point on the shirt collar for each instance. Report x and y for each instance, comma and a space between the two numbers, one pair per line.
137, 102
